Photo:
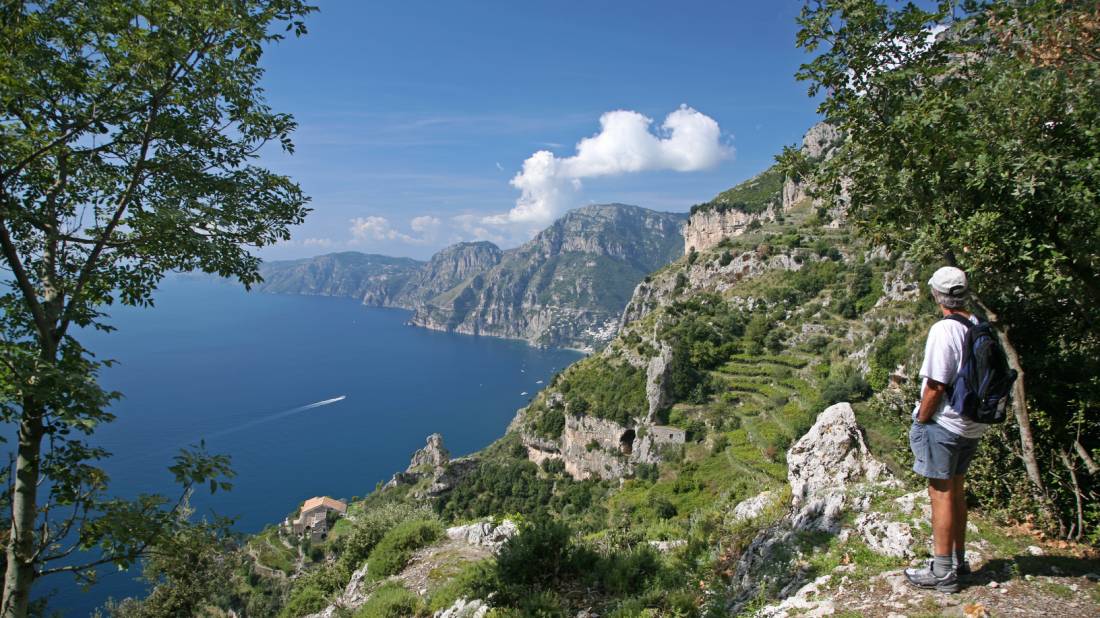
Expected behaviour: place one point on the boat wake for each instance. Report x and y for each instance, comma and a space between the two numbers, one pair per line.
241, 427
276, 416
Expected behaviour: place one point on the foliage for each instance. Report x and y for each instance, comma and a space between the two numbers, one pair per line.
979, 148
751, 197
391, 600
476, 580
187, 571
497, 488
607, 390
370, 528
391, 553
130, 129
844, 383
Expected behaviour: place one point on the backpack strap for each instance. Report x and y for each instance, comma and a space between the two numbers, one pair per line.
954, 317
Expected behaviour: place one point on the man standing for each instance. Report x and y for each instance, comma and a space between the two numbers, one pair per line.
942, 440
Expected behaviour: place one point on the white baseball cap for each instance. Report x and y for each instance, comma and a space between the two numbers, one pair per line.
949, 280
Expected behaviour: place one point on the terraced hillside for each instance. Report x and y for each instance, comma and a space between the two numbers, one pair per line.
697, 465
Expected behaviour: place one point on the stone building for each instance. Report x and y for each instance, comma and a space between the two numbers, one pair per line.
313, 520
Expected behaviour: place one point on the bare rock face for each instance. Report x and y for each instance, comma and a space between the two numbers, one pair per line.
818, 144
485, 533
824, 464
830, 471
655, 376
433, 455
592, 447
706, 229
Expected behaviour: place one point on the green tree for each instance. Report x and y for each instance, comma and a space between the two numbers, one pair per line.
128, 131
972, 132
188, 571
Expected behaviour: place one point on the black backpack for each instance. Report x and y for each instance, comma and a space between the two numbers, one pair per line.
984, 383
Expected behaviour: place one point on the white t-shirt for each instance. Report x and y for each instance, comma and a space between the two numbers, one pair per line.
943, 354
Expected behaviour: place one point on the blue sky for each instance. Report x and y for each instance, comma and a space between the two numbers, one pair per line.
414, 117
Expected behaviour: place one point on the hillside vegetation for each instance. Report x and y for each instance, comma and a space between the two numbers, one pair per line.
766, 329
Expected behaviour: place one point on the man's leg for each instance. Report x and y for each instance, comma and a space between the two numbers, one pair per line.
942, 494
958, 536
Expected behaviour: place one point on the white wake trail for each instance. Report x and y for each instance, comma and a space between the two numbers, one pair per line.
276, 416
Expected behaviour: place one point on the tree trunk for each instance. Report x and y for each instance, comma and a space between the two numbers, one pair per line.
1023, 419
24, 506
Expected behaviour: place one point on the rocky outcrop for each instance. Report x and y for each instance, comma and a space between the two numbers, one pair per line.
446, 269
831, 472
433, 456
484, 533
592, 447
433, 463
656, 375
706, 229
825, 464
568, 285
818, 144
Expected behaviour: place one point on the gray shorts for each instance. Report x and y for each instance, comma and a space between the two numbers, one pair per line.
939, 453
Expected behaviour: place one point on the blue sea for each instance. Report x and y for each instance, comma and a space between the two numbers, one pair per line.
309, 396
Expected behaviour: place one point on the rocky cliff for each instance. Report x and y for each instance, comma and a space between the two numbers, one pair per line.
566, 286
447, 269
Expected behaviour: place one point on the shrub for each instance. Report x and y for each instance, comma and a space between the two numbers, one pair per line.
629, 571
496, 488
535, 558
662, 507
607, 390
304, 600
369, 528
391, 600
476, 580
550, 423
553, 466
393, 551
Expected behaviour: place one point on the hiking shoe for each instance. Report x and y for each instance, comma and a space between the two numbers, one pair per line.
925, 579
962, 569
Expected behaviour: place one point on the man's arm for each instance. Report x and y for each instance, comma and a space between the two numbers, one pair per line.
930, 400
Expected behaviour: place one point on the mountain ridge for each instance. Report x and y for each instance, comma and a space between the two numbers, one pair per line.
566, 287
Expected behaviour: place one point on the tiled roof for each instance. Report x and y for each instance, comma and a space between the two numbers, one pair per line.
326, 502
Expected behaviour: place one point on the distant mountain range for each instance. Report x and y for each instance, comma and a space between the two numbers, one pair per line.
565, 287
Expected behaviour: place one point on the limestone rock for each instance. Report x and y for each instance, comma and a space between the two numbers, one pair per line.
824, 464
656, 374
463, 608
706, 229
484, 534
433, 455
889, 538
667, 546
354, 595
751, 508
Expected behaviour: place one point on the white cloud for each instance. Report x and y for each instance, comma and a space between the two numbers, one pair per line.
324, 243
686, 141
425, 224
379, 228
472, 227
